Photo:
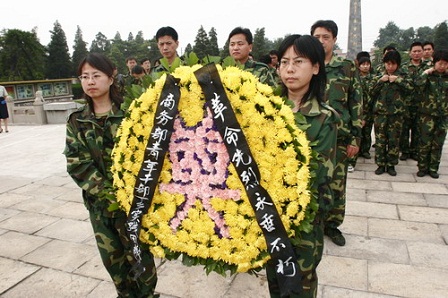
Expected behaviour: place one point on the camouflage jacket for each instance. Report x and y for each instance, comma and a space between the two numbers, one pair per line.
344, 94
261, 71
389, 98
88, 148
435, 89
413, 71
367, 102
320, 125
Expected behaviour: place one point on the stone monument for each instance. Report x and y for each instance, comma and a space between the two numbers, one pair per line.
354, 45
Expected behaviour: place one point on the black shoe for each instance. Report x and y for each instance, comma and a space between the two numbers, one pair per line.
366, 155
335, 235
404, 156
373, 145
421, 173
434, 175
380, 170
414, 157
391, 171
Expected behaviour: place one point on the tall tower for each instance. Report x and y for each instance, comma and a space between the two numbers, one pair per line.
354, 45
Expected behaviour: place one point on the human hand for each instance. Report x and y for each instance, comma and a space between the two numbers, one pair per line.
384, 78
352, 151
392, 78
429, 70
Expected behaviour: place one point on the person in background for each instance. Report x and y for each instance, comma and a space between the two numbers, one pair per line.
124, 79
388, 92
167, 41
433, 114
4, 115
146, 64
365, 73
303, 78
410, 136
428, 51
344, 94
90, 134
137, 73
240, 46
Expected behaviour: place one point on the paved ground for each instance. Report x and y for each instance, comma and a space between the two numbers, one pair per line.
396, 230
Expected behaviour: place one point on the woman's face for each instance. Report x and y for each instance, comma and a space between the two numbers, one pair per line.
296, 72
95, 83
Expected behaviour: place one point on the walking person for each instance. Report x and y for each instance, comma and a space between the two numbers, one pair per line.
89, 142
303, 78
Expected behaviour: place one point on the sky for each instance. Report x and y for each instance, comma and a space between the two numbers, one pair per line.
288, 17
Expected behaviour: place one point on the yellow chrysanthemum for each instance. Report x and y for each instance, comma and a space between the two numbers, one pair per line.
280, 149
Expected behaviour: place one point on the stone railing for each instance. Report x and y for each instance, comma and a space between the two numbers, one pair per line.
40, 112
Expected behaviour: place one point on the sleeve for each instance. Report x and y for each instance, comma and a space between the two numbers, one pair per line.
355, 107
84, 170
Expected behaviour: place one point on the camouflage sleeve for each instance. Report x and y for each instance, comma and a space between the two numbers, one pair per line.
81, 166
355, 107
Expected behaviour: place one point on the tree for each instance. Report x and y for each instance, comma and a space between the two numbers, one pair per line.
441, 36
259, 47
202, 43
58, 64
213, 45
79, 50
389, 35
100, 44
424, 34
22, 57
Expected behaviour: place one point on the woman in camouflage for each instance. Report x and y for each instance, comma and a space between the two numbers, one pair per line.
89, 142
302, 72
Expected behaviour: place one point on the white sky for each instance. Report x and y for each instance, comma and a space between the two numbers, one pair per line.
289, 16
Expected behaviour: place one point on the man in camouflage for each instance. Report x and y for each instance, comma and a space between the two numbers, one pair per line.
240, 46
344, 94
433, 114
409, 136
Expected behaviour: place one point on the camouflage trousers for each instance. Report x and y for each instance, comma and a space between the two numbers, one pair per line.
366, 135
309, 252
114, 247
338, 185
409, 135
433, 133
388, 129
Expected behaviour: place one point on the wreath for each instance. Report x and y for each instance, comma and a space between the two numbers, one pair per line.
215, 226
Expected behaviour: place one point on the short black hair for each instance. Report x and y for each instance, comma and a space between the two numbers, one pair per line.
392, 56
167, 31
245, 31
416, 44
327, 24
362, 54
425, 43
440, 55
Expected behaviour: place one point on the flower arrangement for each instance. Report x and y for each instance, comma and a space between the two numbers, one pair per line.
200, 209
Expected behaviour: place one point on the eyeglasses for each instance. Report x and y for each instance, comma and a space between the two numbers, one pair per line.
86, 78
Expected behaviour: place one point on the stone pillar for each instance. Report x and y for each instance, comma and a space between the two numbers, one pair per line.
39, 112
354, 45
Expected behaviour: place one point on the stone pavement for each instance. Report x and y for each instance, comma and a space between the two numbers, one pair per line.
396, 230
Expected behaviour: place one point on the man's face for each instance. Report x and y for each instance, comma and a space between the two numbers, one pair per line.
167, 46
427, 51
416, 53
326, 39
239, 48
131, 63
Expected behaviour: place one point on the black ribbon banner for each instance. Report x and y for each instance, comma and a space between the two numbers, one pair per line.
279, 246
151, 168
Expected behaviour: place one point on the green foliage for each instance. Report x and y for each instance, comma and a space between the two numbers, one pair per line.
22, 57
58, 63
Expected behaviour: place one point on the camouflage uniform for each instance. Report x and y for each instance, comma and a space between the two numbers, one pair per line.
409, 135
89, 143
261, 71
320, 125
366, 135
344, 94
432, 120
389, 108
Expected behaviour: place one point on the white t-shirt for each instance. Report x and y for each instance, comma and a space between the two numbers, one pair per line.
3, 92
